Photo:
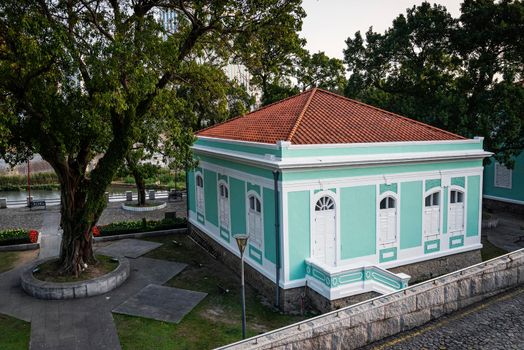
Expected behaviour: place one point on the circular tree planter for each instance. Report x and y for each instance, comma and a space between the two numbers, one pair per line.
74, 290
140, 209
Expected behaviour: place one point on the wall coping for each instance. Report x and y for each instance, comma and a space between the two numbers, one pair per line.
383, 300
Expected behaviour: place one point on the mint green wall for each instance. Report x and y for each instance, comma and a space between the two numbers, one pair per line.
458, 181
432, 184
392, 188
253, 170
298, 233
237, 191
517, 176
268, 203
210, 196
357, 221
326, 151
411, 197
381, 170
473, 194
191, 190
248, 148
255, 188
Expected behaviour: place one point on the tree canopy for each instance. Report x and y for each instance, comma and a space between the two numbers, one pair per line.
464, 74
82, 77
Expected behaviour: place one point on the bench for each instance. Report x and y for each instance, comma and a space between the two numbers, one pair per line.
37, 204
174, 195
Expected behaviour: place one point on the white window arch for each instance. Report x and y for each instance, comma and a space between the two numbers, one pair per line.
223, 204
456, 210
387, 219
324, 247
199, 180
254, 219
432, 203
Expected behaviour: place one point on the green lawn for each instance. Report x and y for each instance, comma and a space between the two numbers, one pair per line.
8, 260
490, 251
14, 334
215, 321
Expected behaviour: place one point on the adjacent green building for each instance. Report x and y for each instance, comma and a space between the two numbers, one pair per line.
339, 198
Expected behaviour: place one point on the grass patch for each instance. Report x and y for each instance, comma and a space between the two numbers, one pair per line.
8, 261
216, 320
15, 333
490, 251
48, 271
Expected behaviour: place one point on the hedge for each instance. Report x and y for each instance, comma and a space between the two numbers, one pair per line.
14, 236
125, 227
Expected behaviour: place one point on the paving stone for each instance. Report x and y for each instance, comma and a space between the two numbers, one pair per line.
161, 303
130, 248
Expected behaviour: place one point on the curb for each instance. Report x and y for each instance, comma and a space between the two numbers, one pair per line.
20, 247
142, 209
73, 290
140, 234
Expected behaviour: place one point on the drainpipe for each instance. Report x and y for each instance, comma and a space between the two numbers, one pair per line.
276, 173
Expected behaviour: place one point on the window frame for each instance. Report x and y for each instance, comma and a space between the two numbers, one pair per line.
457, 189
388, 196
252, 238
432, 192
200, 205
227, 198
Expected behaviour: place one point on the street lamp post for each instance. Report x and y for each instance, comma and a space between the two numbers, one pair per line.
242, 242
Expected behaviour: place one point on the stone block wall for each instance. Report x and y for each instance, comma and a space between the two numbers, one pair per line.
381, 317
491, 204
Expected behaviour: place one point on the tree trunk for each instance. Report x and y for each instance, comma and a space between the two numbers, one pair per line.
77, 221
139, 181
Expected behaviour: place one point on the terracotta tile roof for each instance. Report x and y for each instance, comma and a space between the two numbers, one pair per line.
318, 117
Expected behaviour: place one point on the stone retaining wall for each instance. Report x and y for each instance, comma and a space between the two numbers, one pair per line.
495, 205
384, 316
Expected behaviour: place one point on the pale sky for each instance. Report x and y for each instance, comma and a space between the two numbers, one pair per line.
330, 22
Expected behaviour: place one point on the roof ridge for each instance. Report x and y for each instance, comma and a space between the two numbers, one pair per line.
391, 113
251, 112
301, 115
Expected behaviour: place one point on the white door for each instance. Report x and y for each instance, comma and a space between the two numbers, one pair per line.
432, 214
324, 236
388, 220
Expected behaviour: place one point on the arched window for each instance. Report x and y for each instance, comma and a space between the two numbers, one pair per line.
432, 214
255, 220
223, 200
456, 211
325, 203
324, 231
388, 220
200, 193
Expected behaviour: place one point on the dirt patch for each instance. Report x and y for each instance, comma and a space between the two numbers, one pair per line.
48, 271
218, 314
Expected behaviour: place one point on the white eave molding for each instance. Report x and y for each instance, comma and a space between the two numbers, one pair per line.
273, 162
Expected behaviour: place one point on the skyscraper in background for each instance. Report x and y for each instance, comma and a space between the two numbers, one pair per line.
237, 72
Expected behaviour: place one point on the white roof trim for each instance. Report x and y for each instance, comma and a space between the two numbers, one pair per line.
378, 144
347, 160
239, 142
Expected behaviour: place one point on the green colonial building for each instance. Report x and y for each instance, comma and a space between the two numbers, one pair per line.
341, 200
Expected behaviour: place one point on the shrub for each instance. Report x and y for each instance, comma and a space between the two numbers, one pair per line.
124, 227
14, 236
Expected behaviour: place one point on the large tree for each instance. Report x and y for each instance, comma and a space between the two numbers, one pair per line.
322, 71
82, 77
272, 53
461, 74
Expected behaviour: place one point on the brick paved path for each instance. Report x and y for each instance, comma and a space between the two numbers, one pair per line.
497, 323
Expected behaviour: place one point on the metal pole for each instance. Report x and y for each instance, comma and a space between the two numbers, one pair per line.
29, 182
243, 298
